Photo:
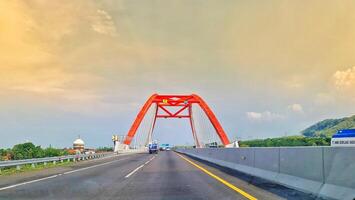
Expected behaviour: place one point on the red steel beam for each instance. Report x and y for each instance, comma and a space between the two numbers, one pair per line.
165, 110
213, 119
168, 116
132, 131
183, 101
182, 109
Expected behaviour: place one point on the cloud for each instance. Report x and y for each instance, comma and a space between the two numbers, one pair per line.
45, 54
297, 108
345, 80
322, 99
264, 116
339, 90
294, 82
254, 115
103, 23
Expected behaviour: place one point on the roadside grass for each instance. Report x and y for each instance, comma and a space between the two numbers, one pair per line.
29, 167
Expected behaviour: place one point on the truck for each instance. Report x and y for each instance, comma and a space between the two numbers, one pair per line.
153, 148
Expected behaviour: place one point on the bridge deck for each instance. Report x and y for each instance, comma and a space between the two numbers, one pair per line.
138, 176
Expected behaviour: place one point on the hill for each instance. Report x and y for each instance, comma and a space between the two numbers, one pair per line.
328, 127
297, 140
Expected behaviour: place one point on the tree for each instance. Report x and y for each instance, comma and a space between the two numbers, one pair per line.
2, 152
51, 152
287, 141
104, 149
26, 151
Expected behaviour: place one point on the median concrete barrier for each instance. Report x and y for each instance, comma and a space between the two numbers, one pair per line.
339, 173
266, 162
301, 168
326, 172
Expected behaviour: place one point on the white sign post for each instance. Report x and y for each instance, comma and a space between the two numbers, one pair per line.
116, 143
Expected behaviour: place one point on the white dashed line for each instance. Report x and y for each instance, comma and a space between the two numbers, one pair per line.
135, 170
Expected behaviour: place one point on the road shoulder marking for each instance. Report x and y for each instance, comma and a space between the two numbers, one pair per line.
28, 182
238, 190
139, 167
56, 175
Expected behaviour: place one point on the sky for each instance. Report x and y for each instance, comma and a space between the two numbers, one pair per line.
266, 68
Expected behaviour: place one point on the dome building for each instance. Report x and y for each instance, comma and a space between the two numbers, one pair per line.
79, 145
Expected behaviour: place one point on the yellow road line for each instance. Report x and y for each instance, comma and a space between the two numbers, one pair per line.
240, 191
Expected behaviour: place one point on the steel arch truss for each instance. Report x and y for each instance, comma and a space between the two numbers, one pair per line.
183, 103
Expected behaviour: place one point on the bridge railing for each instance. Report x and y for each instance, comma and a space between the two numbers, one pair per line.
19, 163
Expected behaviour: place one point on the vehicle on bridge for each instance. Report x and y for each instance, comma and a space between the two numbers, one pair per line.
164, 147
153, 148
344, 138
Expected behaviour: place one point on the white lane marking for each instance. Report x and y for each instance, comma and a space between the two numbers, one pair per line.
98, 165
28, 182
56, 175
128, 175
140, 166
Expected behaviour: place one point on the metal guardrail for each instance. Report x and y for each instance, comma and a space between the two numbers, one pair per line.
34, 161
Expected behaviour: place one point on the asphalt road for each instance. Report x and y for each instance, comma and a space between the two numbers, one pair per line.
140, 176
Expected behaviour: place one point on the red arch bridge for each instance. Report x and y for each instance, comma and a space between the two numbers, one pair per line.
178, 106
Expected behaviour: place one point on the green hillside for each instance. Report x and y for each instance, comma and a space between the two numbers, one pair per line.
328, 127
289, 141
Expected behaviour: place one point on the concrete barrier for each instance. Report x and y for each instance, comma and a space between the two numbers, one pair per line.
339, 173
301, 168
327, 172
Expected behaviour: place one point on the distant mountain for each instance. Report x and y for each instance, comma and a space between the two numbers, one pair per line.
328, 127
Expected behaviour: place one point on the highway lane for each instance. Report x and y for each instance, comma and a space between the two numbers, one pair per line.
32, 175
88, 183
139, 176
